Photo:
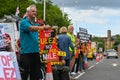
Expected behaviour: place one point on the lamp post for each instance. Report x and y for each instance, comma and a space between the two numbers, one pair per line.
44, 14
63, 9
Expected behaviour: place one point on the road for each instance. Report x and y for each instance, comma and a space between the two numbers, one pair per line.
106, 69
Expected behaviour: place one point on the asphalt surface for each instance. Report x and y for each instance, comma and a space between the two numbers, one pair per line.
105, 69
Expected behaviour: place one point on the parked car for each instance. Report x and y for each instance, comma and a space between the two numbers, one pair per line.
105, 53
111, 53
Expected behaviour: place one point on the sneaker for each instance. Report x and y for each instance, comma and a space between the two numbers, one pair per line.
83, 70
73, 73
72, 78
78, 72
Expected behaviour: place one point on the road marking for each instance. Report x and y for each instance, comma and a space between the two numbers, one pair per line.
79, 75
114, 64
91, 67
97, 62
88, 68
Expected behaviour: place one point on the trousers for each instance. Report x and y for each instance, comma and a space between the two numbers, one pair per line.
60, 72
30, 66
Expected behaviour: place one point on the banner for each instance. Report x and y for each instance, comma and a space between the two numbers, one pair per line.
8, 66
11, 29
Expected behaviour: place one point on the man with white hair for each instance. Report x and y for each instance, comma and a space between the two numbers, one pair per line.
29, 57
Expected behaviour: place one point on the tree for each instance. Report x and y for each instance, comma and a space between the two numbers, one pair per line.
54, 15
99, 41
117, 42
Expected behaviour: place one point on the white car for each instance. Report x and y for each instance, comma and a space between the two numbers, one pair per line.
112, 53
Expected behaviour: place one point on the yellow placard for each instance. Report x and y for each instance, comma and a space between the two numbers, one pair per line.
61, 53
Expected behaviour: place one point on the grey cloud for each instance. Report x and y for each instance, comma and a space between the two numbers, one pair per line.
88, 4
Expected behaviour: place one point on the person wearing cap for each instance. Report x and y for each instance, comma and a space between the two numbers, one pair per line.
29, 56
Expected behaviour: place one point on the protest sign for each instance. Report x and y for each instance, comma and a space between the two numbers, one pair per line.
9, 67
48, 45
2, 40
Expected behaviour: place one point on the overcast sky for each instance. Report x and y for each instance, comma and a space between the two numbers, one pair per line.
97, 16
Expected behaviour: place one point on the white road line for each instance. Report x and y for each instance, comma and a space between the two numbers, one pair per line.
114, 64
97, 62
91, 67
88, 68
79, 75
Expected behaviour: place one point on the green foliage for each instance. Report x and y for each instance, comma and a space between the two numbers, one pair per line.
99, 41
7, 8
54, 15
117, 42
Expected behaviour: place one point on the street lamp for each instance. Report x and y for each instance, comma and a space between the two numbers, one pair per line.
63, 9
44, 14
44, 8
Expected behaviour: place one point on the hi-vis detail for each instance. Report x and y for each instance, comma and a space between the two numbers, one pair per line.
61, 53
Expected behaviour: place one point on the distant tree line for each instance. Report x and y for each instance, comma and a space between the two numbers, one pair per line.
117, 41
101, 43
54, 15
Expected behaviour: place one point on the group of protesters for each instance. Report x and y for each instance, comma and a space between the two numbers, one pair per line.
29, 58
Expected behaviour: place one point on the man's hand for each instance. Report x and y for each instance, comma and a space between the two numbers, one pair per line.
47, 27
63, 62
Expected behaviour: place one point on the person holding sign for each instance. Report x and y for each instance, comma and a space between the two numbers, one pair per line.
30, 57
7, 45
60, 71
63, 44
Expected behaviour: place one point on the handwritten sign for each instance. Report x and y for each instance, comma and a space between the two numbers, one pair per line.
83, 35
7, 71
2, 40
7, 68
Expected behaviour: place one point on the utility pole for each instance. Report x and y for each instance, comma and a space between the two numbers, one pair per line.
63, 9
44, 14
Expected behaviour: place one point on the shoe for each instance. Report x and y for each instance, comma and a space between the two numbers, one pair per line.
79, 72
83, 70
73, 73
72, 78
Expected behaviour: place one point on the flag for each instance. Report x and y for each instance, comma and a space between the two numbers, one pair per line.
17, 11
25, 15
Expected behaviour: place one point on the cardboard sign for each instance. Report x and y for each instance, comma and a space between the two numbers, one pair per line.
83, 35
2, 40
48, 45
9, 66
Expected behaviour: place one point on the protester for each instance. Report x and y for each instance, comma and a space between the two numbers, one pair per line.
77, 65
64, 42
40, 22
17, 45
84, 55
73, 39
30, 58
7, 46
60, 71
